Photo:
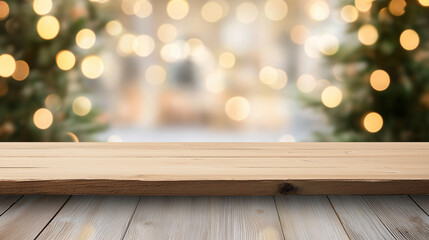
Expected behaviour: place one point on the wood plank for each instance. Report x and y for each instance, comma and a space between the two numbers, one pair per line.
92, 217
359, 221
401, 216
27, 218
422, 201
205, 218
214, 168
309, 217
6, 202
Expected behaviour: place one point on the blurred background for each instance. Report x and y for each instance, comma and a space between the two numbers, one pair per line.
215, 70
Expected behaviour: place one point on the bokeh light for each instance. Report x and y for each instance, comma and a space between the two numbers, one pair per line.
281, 80
43, 118
306, 83
328, 44
127, 6
53, 102
299, 33
319, 11
237, 108
379, 80
21, 70
397, 7
73, 136
4, 10
65, 60
212, 11
349, 13
175, 51
275, 10
424, 3
114, 28
48, 27
268, 75
373, 122
227, 60
167, 33
409, 39
155, 75
81, 106
246, 12
143, 45
7, 65
92, 67
331, 97
126, 44
215, 82
85, 38
363, 5
142, 8
177, 9
367, 34
42, 7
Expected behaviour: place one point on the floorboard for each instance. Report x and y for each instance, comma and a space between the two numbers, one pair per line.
422, 201
7, 201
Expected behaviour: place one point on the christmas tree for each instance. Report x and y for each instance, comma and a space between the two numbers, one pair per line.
383, 68
46, 55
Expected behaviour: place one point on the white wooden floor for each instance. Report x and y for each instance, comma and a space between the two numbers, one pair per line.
285, 217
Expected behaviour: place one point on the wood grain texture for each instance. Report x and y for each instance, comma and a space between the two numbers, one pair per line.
358, 219
6, 202
422, 201
27, 218
92, 217
214, 218
309, 217
401, 216
214, 168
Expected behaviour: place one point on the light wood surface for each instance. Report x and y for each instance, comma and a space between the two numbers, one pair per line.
214, 168
309, 217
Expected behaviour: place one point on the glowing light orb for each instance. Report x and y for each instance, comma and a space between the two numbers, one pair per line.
275, 10
65, 60
48, 27
212, 11
155, 75
409, 39
306, 83
237, 108
43, 118
92, 67
167, 33
85, 38
227, 60
114, 28
177, 9
331, 97
319, 11
349, 13
246, 12
144, 45
367, 34
4, 10
373, 122
42, 7
7, 65
81, 106
379, 80
21, 71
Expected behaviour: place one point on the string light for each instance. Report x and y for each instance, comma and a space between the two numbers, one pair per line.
331, 97
211, 11
4, 10
306, 83
275, 10
319, 11
48, 27
237, 108
42, 7
167, 33
349, 13
299, 33
7, 65
85, 38
379, 80
43, 118
177, 9
155, 75
227, 60
367, 34
65, 60
114, 28
142, 8
143, 45
373, 122
92, 67
81, 106
409, 39
21, 70
246, 12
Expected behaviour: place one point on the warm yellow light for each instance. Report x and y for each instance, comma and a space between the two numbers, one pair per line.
53, 102
299, 33
81, 106
246, 12
142, 8
349, 13
175, 51
42, 7
373, 122
7, 65
268, 75
114, 28
85, 38
65, 60
127, 6
329, 44
43, 118
281, 80
397, 7
424, 3
144, 45
367, 34
4, 10
155, 75
227, 60
215, 82
379, 80
177, 9
167, 33
311, 47
363, 5
237, 108
212, 11
306, 83
319, 11
125, 44
73, 136
21, 71
331, 97
409, 39
275, 9
48, 27
92, 67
